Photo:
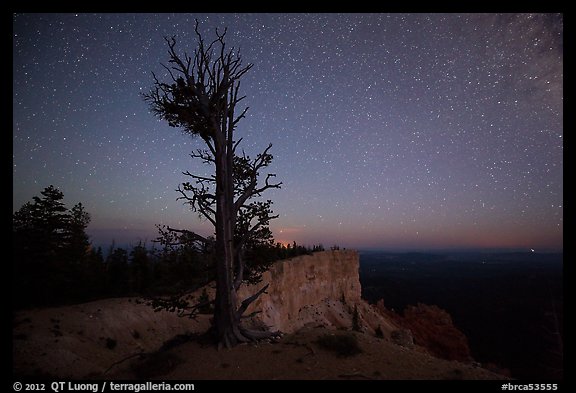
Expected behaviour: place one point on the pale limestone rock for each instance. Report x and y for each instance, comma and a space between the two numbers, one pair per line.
308, 291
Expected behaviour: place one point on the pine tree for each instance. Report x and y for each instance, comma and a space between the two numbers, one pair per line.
50, 245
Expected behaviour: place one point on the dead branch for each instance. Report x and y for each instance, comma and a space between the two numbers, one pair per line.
193, 235
125, 359
250, 300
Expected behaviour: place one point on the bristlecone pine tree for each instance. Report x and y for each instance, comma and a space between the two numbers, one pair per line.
201, 98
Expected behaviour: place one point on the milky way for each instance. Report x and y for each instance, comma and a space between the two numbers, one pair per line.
389, 130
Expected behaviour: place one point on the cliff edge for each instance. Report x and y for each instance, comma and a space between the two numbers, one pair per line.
318, 290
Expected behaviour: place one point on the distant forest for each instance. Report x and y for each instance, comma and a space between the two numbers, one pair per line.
54, 262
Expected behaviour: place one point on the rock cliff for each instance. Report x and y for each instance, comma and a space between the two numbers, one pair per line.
302, 283
432, 328
318, 290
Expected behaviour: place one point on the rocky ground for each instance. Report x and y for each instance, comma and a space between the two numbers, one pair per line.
299, 356
120, 339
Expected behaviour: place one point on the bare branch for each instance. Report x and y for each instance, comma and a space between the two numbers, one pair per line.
251, 191
199, 202
211, 147
248, 301
170, 72
174, 58
203, 155
242, 115
267, 185
236, 145
200, 178
193, 235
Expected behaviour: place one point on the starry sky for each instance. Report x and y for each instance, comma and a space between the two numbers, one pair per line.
394, 131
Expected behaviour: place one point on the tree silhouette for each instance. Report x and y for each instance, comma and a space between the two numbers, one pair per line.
77, 239
42, 225
140, 266
51, 249
202, 98
117, 274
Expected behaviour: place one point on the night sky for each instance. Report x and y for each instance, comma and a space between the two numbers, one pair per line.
396, 131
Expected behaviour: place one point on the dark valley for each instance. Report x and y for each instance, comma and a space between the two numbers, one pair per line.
509, 305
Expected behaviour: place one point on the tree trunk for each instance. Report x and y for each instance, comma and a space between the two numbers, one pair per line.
226, 320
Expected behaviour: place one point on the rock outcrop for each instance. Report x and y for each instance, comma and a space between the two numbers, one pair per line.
432, 328
298, 284
318, 290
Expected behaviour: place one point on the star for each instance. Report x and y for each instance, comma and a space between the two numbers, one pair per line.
412, 130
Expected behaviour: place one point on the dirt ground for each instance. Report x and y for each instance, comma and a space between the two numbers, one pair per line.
298, 356
124, 339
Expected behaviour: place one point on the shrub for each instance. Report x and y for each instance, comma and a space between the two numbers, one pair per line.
344, 344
